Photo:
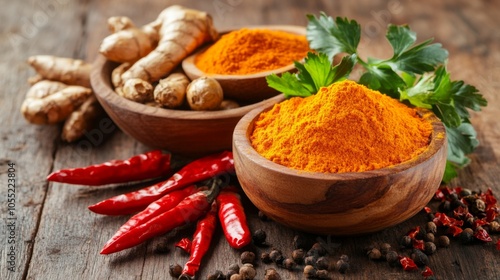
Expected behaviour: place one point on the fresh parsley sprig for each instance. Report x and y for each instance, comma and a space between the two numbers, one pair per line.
416, 73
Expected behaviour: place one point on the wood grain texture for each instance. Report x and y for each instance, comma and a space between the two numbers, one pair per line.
58, 238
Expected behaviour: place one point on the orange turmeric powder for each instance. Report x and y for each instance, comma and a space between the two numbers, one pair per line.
248, 51
345, 127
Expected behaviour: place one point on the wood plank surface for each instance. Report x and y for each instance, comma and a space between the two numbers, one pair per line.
56, 237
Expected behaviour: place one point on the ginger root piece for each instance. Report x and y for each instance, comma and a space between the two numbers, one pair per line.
171, 91
204, 93
119, 23
53, 104
66, 70
35, 79
116, 74
227, 104
130, 43
82, 120
138, 90
182, 31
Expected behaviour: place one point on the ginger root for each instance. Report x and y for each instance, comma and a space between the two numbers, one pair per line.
204, 93
227, 104
182, 31
82, 119
52, 102
138, 90
116, 74
128, 43
66, 70
171, 91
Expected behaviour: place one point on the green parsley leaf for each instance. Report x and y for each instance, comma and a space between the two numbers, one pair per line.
461, 141
383, 79
450, 172
400, 37
333, 37
316, 72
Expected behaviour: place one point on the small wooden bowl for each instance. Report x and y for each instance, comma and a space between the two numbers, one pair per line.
188, 133
244, 88
341, 203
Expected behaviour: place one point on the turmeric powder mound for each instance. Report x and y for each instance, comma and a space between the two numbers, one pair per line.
345, 127
248, 51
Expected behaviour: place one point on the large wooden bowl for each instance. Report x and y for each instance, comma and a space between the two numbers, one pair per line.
188, 133
343, 203
245, 88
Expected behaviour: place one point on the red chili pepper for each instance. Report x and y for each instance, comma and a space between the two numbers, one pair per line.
498, 244
454, 231
201, 243
408, 264
140, 167
233, 219
482, 235
413, 232
460, 212
427, 272
478, 222
418, 244
187, 211
427, 210
442, 219
198, 170
491, 214
184, 244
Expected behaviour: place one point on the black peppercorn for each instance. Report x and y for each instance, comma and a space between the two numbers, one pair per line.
429, 248
275, 255
233, 269
217, 275
419, 257
444, 207
465, 192
392, 257
236, 277
272, 274
466, 236
247, 271
289, 264
175, 270
310, 260
344, 258
431, 227
384, 248
262, 216
322, 263
494, 227
302, 242
309, 271
429, 237
259, 237
322, 274
317, 250
406, 241
342, 266
247, 257
431, 216
374, 254
443, 241
265, 258
298, 256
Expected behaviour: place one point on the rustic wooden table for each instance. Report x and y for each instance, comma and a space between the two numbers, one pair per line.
56, 237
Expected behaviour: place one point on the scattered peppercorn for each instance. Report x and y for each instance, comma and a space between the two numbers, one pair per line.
392, 257
289, 264
445, 206
175, 270
272, 274
443, 241
247, 257
344, 258
429, 248
431, 227
406, 241
374, 254
322, 263
259, 237
309, 271
298, 256
429, 237
494, 227
265, 258
247, 271
419, 257
302, 242
384, 248
262, 216
322, 274
317, 250
310, 260
236, 277
276, 256
217, 275
465, 192
342, 266
466, 236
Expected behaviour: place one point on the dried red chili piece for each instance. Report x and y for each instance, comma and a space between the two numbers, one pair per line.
414, 232
184, 244
442, 219
427, 210
196, 171
427, 272
491, 214
149, 165
418, 244
187, 211
408, 264
460, 212
439, 195
482, 235
478, 223
202, 237
233, 219
454, 231
488, 197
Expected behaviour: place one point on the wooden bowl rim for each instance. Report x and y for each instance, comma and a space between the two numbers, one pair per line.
190, 67
242, 143
100, 79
